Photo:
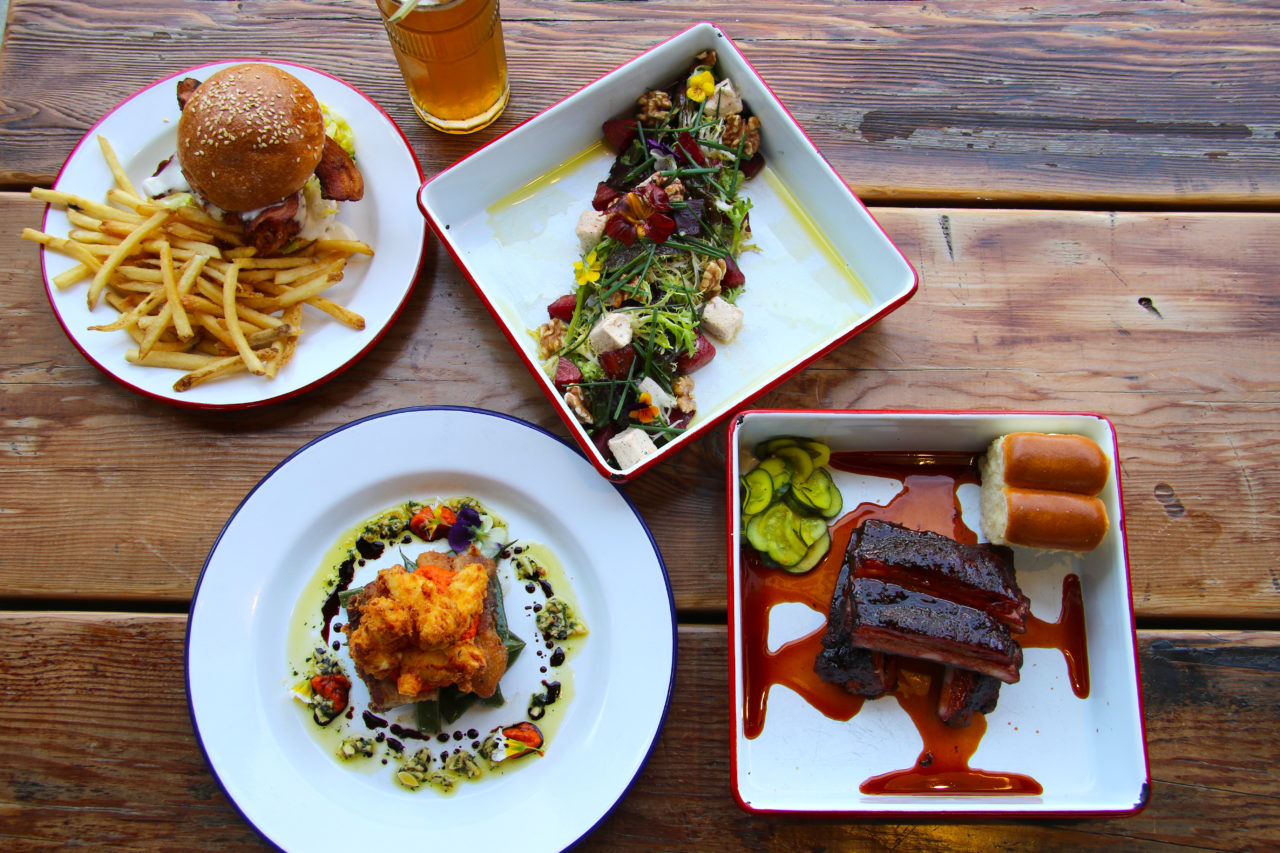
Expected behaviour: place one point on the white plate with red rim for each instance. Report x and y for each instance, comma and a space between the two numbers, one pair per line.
259, 743
825, 270
143, 131
1088, 754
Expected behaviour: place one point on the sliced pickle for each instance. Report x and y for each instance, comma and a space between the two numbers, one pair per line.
758, 491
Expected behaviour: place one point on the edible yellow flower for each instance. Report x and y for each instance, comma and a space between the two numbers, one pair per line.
588, 269
701, 85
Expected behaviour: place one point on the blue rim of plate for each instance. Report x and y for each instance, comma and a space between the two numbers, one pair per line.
666, 703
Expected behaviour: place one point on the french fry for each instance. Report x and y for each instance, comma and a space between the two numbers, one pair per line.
347, 247
180, 321
83, 205
71, 276
292, 317
77, 250
213, 370
122, 251
330, 266
172, 360
232, 319
117, 171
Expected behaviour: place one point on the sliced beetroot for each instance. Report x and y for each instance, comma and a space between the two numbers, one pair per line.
617, 363
605, 196
563, 308
619, 133
687, 146
601, 438
733, 276
688, 217
752, 167
567, 373
703, 352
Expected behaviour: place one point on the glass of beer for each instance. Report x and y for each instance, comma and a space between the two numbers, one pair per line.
453, 60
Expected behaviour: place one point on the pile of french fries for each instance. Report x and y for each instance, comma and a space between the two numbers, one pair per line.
187, 289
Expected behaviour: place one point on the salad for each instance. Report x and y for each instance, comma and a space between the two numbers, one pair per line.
657, 279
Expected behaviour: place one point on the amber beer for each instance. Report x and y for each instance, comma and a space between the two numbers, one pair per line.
453, 61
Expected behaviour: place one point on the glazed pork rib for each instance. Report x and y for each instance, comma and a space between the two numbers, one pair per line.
886, 617
860, 671
916, 594
965, 693
980, 576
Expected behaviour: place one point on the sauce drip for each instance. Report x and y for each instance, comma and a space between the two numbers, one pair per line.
927, 501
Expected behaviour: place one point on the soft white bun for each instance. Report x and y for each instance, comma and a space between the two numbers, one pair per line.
250, 136
1038, 490
1053, 521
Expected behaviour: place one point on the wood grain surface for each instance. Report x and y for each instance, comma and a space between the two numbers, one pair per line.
75, 772
1142, 102
1089, 190
1140, 317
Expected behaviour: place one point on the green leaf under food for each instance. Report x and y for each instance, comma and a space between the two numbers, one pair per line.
344, 595
427, 714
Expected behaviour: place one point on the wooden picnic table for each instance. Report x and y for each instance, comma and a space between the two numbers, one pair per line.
1089, 190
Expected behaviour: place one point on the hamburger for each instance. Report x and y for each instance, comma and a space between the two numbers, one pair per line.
253, 147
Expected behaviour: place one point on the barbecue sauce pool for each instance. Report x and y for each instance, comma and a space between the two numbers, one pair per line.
927, 501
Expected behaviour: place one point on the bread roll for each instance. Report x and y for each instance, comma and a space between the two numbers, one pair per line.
1039, 490
1049, 461
1053, 521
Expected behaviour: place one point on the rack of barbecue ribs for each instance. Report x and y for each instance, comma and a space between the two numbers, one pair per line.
916, 594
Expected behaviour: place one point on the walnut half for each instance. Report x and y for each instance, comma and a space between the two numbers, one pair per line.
712, 275
551, 337
735, 129
655, 106
683, 389
578, 405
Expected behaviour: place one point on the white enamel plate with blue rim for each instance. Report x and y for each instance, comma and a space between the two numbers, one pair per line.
259, 742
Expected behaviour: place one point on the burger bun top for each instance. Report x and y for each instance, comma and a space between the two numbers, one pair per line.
250, 136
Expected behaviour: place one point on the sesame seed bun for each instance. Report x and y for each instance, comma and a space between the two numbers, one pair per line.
250, 136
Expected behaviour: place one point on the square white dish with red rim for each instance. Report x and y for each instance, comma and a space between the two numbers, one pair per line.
825, 270
1085, 753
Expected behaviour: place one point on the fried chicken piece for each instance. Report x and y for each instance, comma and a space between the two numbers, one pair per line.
411, 633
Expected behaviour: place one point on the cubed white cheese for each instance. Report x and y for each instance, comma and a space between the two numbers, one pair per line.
659, 397
611, 332
590, 228
724, 101
721, 319
630, 446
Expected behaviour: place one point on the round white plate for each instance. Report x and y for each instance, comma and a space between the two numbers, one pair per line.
143, 132
238, 677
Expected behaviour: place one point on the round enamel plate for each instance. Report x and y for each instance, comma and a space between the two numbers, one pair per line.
262, 746
143, 132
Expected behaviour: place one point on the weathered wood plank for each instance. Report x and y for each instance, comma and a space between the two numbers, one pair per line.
1016, 310
97, 750
1142, 102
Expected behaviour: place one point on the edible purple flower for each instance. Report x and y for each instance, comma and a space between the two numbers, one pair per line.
464, 529
659, 147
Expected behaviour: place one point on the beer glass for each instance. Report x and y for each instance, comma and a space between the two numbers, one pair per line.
453, 60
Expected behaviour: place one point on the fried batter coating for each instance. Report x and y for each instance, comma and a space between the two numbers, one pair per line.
413, 632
